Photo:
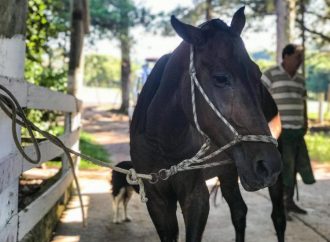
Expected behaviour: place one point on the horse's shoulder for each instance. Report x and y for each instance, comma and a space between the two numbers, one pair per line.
147, 93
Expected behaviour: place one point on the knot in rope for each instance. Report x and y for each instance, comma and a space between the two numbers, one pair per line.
238, 138
173, 170
132, 177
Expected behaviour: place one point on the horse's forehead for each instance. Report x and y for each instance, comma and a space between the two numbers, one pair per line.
223, 45
215, 24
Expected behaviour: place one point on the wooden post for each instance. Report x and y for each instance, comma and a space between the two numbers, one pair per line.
321, 104
208, 9
12, 56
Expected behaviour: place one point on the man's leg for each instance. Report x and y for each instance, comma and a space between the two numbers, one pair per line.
287, 148
303, 164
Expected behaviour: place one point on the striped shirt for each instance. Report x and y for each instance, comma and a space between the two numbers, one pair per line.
289, 94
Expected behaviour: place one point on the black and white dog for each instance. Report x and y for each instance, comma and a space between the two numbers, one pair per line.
121, 192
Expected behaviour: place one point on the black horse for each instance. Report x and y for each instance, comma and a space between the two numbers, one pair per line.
172, 120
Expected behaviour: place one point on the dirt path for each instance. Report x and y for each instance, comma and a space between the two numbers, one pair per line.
112, 132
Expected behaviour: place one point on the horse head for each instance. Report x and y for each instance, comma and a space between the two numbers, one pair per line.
231, 82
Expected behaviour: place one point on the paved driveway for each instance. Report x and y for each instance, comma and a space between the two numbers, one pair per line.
112, 132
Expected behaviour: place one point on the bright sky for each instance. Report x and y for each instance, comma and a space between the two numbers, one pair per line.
148, 45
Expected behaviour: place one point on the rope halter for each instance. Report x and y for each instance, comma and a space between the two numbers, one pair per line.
200, 156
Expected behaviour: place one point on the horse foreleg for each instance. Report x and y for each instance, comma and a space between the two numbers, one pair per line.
162, 209
194, 201
278, 213
238, 209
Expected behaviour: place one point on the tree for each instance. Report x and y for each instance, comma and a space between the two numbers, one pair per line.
313, 17
47, 34
115, 18
318, 72
285, 20
46, 41
102, 71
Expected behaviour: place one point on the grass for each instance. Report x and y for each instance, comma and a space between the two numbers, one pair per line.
315, 116
318, 145
89, 147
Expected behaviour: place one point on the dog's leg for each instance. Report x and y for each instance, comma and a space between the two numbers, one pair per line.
128, 197
115, 204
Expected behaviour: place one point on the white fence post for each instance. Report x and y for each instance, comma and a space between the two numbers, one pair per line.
12, 56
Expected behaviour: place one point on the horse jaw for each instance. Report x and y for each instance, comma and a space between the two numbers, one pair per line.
275, 126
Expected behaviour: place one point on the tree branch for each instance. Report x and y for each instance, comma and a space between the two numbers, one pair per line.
318, 15
323, 36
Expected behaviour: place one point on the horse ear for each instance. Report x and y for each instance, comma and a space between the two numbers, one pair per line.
238, 21
188, 33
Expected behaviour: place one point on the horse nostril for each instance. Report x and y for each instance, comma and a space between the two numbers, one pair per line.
261, 169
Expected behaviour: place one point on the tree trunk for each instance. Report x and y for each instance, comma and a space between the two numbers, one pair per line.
303, 35
285, 20
79, 28
208, 9
125, 71
75, 75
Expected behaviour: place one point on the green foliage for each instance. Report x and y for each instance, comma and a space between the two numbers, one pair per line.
114, 18
315, 115
318, 81
102, 71
318, 72
265, 64
44, 120
318, 145
89, 147
47, 27
46, 51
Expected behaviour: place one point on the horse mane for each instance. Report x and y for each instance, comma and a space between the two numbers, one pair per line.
147, 93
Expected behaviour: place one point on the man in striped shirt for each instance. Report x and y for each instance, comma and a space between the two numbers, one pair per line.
288, 90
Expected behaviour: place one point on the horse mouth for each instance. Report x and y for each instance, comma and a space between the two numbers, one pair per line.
253, 186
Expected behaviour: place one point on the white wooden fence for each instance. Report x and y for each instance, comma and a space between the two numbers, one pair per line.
15, 225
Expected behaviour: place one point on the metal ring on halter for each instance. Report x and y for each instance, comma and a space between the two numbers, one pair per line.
164, 174
154, 178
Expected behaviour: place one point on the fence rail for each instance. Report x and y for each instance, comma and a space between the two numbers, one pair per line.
13, 225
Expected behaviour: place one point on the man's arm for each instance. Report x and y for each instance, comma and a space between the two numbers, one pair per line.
305, 117
305, 113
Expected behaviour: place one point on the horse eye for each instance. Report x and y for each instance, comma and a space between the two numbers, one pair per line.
221, 80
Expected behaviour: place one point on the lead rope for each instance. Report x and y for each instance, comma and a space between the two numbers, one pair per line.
14, 111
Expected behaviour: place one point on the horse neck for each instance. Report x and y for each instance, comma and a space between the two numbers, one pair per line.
167, 123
